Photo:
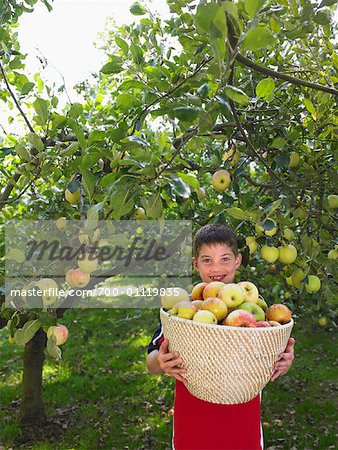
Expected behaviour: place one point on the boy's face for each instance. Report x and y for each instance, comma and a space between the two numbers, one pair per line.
217, 262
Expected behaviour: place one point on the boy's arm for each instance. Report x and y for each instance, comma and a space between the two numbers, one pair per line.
161, 361
285, 360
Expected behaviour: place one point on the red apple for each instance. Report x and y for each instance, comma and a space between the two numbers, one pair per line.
197, 292
240, 318
212, 289
77, 278
263, 324
60, 332
279, 313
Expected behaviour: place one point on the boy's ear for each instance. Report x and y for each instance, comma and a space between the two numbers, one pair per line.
238, 260
194, 263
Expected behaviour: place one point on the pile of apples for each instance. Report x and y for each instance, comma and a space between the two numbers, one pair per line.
232, 304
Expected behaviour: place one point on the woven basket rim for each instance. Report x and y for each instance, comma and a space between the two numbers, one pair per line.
227, 327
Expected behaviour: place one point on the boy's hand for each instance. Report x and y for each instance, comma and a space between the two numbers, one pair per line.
285, 360
169, 361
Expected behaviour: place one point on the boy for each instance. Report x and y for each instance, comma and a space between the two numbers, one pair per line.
199, 424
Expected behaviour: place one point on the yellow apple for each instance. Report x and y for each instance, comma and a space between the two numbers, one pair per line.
287, 254
185, 310
294, 159
259, 229
271, 232
313, 284
212, 289
221, 180
269, 253
197, 304
205, 317
232, 294
322, 321
61, 223
172, 296
139, 213
251, 243
251, 291
49, 288
60, 332
216, 306
279, 313
73, 197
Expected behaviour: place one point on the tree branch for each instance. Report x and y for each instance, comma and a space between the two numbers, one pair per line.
15, 100
282, 76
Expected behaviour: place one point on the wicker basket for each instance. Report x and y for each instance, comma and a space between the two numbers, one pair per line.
227, 365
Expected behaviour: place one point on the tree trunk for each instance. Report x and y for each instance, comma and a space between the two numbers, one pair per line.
32, 408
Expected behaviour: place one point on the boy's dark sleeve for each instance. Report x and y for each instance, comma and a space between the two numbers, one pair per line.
156, 340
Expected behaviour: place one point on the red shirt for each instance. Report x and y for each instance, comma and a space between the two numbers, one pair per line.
200, 425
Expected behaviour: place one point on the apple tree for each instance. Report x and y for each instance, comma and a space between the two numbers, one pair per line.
225, 111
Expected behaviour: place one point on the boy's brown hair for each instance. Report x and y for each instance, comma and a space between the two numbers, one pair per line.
215, 234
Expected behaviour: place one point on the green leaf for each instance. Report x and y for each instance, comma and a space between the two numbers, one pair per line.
59, 122
203, 90
237, 95
252, 6
238, 213
327, 3
137, 10
279, 142
322, 18
189, 178
71, 149
153, 205
111, 67
41, 109
26, 88
75, 110
52, 349
211, 18
122, 44
180, 188
137, 53
93, 212
27, 332
88, 180
185, 113
130, 84
78, 132
335, 60
265, 88
125, 101
309, 106
258, 38
36, 142
22, 152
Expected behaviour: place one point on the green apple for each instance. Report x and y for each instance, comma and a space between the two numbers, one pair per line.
294, 159
269, 253
251, 243
232, 294
287, 254
288, 234
205, 317
259, 229
216, 306
221, 180
254, 309
313, 284
251, 291
172, 296
333, 201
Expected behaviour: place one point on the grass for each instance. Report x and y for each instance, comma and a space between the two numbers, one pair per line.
99, 395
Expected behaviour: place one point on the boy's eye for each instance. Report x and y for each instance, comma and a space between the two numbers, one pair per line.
206, 260
226, 259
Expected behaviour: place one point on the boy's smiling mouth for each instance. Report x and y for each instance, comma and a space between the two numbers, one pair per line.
217, 277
